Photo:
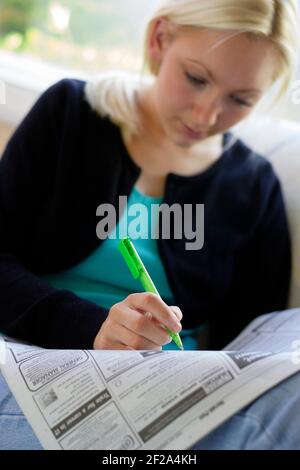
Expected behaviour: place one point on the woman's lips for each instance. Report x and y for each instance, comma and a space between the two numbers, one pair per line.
191, 133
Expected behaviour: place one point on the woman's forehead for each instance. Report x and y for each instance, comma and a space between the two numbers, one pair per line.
223, 52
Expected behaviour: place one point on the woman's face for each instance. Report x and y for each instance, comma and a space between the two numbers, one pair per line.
208, 81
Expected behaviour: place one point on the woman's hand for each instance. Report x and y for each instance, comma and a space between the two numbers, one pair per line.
137, 323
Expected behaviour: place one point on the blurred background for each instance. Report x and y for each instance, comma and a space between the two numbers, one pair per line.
42, 41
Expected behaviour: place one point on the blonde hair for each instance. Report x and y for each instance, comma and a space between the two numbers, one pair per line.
114, 94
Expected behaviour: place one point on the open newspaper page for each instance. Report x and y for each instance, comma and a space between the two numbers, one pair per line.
148, 399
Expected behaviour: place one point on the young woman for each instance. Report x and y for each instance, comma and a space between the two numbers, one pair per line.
165, 139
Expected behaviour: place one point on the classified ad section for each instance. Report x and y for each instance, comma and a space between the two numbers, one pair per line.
133, 400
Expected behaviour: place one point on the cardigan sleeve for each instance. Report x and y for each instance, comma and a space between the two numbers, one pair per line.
30, 308
262, 269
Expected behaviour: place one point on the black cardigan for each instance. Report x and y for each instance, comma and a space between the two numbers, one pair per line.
63, 161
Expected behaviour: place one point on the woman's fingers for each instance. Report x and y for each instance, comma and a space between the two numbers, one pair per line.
138, 322
144, 326
177, 312
128, 337
149, 302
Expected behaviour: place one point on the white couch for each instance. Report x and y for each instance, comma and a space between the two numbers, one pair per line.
279, 141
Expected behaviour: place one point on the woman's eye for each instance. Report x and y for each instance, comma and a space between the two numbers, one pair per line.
195, 80
240, 102
201, 81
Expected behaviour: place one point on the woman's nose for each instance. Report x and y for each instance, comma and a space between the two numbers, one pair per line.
206, 112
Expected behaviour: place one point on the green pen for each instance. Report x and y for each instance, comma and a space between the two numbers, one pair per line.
139, 271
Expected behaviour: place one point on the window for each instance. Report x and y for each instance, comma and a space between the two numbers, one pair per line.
84, 35
42, 41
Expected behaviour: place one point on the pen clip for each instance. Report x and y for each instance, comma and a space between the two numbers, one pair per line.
124, 247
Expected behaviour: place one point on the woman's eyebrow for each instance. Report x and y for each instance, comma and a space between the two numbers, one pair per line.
210, 74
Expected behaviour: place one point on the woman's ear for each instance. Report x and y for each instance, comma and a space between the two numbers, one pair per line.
159, 39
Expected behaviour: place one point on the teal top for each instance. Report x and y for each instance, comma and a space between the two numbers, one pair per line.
104, 278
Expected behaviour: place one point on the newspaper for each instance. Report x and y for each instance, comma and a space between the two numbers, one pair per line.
148, 399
